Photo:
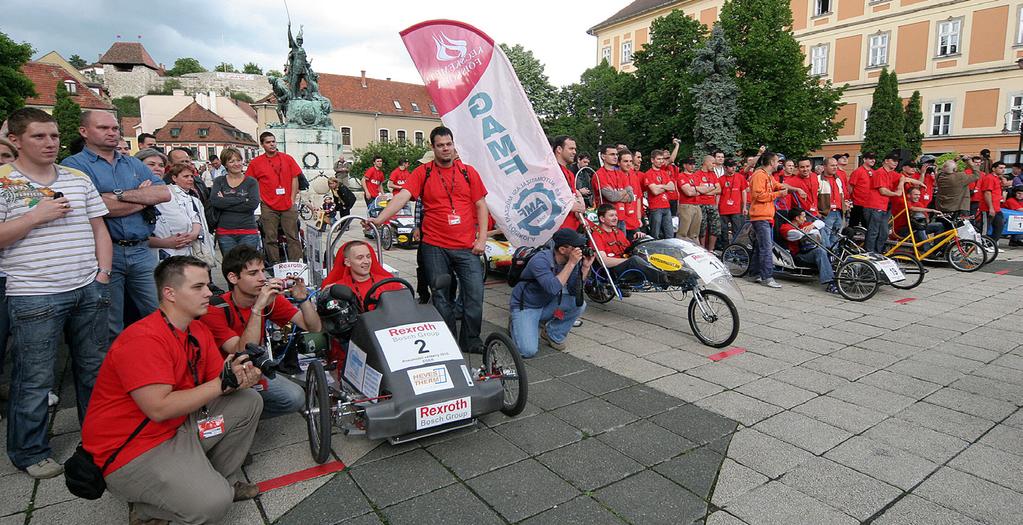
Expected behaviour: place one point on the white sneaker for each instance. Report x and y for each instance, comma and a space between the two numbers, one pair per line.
771, 283
45, 469
52, 399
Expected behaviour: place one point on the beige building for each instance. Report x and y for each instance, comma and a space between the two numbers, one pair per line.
156, 110
964, 56
369, 110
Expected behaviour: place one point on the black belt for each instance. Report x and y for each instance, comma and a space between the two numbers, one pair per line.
129, 243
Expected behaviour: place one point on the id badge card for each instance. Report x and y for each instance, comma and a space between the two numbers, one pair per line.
454, 219
730, 202
280, 191
211, 427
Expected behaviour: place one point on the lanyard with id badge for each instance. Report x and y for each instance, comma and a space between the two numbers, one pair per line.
208, 427
453, 218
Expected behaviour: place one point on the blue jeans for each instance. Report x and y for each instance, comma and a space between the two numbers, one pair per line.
877, 229
282, 397
5, 323
818, 257
227, 242
762, 260
466, 267
833, 223
660, 223
525, 322
133, 279
39, 323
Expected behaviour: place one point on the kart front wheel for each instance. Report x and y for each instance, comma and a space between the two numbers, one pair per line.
736, 258
857, 280
598, 291
501, 359
716, 324
387, 237
317, 412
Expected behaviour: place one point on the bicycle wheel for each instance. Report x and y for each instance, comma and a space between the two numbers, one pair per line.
912, 269
857, 280
501, 358
990, 248
305, 213
719, 325
317, 411
965, 255
736, 258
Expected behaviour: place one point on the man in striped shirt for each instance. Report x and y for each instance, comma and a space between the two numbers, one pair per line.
56, 253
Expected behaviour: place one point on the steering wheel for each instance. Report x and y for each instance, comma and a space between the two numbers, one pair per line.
372, 301
635, 244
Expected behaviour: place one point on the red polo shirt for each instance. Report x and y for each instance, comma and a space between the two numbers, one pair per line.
274, 175
811, 186
682, 179
732, 186
882, 179
614, 179
860, 182
656, 176
634, 210
230, 321
398, 179
673, 173
449, 203
613, 243
571, 222
374, 178
992, 183
701, 178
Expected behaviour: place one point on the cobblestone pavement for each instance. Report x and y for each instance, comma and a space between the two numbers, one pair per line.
837, 412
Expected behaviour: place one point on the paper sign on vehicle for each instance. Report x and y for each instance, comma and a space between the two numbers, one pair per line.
443, 412
363, 377
892, 270
371, 382
417, 344
706, 266
292, 270
430, 379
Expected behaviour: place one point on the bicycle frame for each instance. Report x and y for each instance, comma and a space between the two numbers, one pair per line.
939, 240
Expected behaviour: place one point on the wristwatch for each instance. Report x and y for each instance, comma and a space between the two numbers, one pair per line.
109, 273
119, 194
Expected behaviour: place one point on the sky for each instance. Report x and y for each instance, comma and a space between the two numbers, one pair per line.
341, 37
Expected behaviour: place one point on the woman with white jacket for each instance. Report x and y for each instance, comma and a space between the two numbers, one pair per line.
181, 221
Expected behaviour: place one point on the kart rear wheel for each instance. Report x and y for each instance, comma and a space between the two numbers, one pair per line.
387, 237
990, 248
912, 269
720, 325
501, 358
736, 258
965, 255
857, 280
317, 412
599, 292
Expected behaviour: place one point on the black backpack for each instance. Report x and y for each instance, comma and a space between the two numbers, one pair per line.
520, 258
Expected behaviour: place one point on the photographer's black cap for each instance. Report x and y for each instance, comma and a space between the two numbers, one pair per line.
567, 237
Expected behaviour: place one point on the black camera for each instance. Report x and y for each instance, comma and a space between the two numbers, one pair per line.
261, 359
587, 251
149, 214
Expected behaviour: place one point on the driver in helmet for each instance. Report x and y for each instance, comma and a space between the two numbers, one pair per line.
358, 268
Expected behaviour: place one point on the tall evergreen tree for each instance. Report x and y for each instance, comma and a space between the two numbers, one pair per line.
68, 115
15, 87
714, 97
886, 121
913, 125
780, 103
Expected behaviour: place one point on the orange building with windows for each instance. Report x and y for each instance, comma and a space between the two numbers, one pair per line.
964, 56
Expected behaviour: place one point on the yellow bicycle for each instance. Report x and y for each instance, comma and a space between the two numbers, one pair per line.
959, 243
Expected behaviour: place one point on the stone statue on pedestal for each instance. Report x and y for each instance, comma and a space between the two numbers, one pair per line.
297, 104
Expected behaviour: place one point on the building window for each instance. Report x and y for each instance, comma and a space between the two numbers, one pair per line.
941, 118
433, 109
419, 138
605, 55
949, 34
346, 136
384, 135
626, 52
400, 135
415, 107
878, 50
821, 7
71, 86
210, 152
1015, 112
175, 132
204, 132
397, 105
819, 60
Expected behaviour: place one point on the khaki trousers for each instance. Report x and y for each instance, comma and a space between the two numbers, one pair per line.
689, 219
288, 220
188, 480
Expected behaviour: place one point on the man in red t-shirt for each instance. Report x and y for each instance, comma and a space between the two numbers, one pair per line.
277, 174
398, 177
454, 231
689, 215
231, 320
832, 200
807, 181
859, 188
633, 210
193, 412
611, 242
707, 188
611, 185
564, 153
990, 189
733, 205
372, 179
974, 165
885, 184
658, 182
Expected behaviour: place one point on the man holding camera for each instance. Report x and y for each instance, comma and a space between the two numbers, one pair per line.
177, 418
549, 293
130, 191
237, 319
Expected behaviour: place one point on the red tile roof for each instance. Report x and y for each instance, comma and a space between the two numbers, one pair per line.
637, 7
128, 54
347, 94
194, 118
128, 125
46, 77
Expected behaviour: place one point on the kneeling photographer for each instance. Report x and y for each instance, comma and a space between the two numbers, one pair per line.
170, 420
549, 293
237, 320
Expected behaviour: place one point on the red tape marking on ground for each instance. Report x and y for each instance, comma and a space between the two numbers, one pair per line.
1002, 272
735, 350
906, 300
302, 475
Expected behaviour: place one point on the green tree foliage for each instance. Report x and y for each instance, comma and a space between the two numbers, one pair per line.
252, 68
224, 67
127, 106
780, 103
542, 95
596, 109
913, 125
15, 87
886, 122
184, 66
274, 73
714, 97
77, 61
244, 97
391, 151
68, 115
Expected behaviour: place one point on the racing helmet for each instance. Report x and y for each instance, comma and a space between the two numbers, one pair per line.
338, 310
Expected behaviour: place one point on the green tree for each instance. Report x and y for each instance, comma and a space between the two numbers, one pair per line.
913, 125
127, 106
714, 97
252, 68
391, 151
886, 121
184, 66
542, 95
596, 109
274, 73
77, 61
68, 115
15, 87
780, 103
225, 67
244, 97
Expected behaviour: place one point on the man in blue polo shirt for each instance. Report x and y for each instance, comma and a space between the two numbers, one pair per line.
129, 191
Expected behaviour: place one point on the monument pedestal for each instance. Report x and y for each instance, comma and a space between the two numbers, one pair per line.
315, 149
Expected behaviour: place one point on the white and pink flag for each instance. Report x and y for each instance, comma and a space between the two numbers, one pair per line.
479, 97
